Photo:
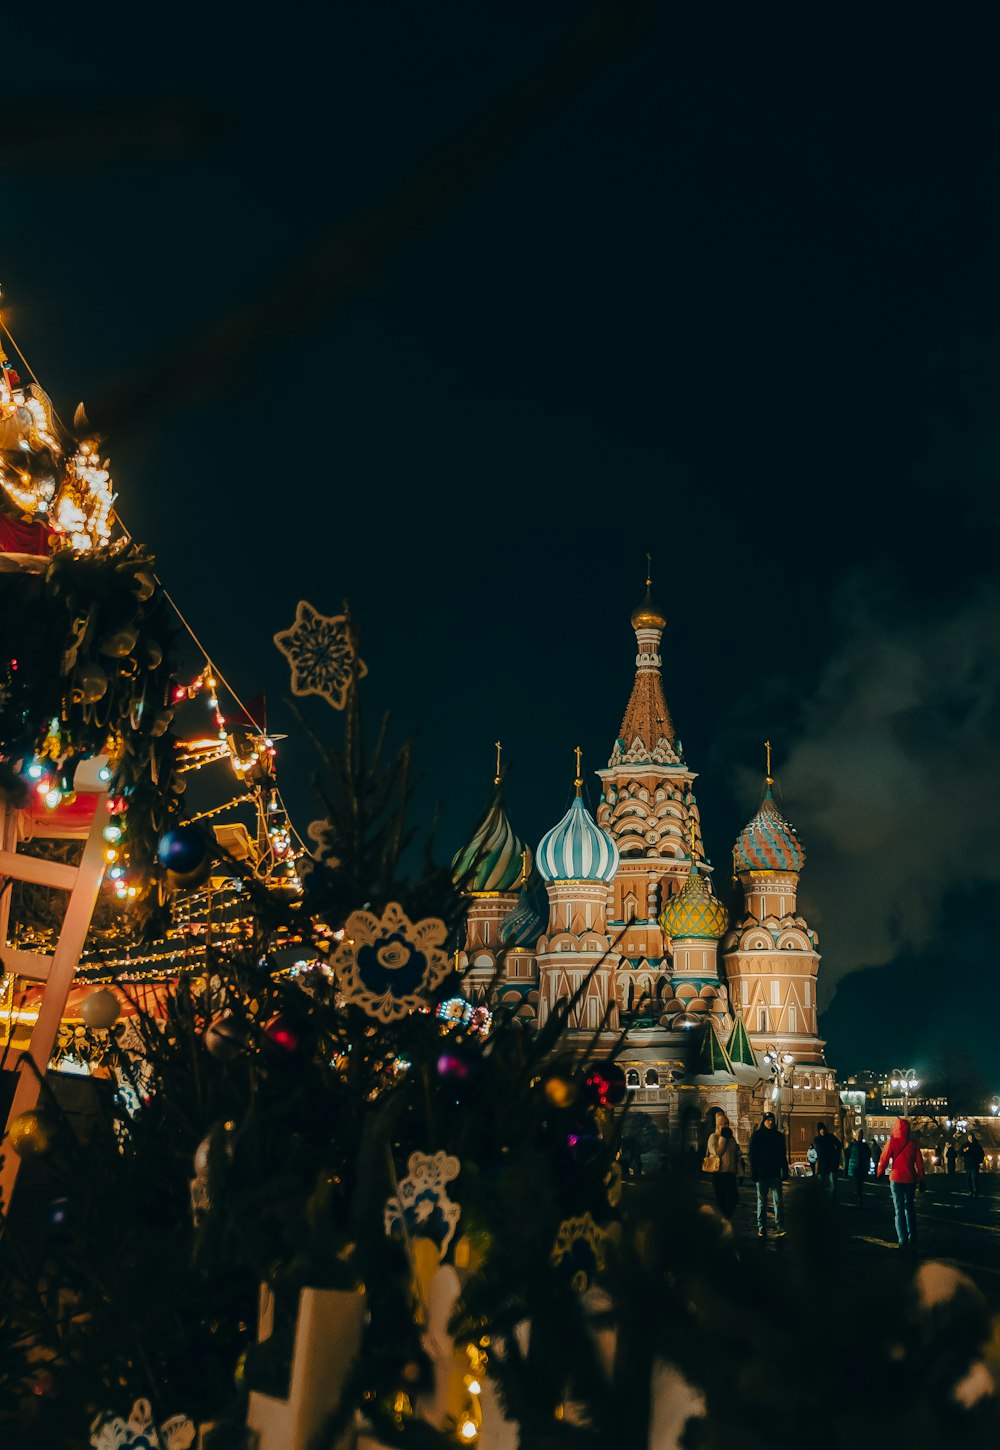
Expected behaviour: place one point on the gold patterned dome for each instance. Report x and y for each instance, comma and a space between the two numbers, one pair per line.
694, 914
647, 614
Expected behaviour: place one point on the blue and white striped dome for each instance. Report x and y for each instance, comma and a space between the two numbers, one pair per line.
577, 849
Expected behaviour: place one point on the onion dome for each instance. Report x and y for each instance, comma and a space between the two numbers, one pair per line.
694, 914
577, 849
526, 922
646, 614
495, 859
768, 842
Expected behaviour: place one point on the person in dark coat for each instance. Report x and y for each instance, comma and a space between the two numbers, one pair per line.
905, 1175
768, 1169
950, 1159
829, 1155
858, 1162
972, 1158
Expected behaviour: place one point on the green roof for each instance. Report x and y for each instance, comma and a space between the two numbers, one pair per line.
738, 1046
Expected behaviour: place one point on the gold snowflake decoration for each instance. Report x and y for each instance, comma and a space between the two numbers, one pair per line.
320, 650
388, 967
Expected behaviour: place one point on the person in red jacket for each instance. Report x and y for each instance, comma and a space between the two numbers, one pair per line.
906, 1172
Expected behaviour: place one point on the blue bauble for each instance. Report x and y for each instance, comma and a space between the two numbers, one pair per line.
182, 850
58, 1213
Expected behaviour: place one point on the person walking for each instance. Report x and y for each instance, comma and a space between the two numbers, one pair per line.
768, 1169
905, 1174
859, 1159
829, 1155
723, 1145
949, 1159
972, 1159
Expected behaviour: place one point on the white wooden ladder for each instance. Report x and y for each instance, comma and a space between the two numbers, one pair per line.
56, 971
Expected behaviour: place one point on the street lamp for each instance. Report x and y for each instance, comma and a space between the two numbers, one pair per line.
995, 1106
779, 1066
905, 1082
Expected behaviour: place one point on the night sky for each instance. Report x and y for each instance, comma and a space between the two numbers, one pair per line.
435, 309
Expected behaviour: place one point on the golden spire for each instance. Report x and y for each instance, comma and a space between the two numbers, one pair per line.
769, 777
524, 866
693, 829
579, 778
496, 778
646, 614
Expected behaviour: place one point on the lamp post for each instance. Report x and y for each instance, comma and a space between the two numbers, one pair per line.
995, 1106
779, 1066
905, 1082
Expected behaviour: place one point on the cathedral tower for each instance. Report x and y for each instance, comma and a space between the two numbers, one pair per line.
770, 955
490, 870
648, 808
577, 860
693, 921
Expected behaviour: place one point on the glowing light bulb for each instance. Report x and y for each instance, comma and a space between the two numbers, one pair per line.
104, 773
35, 771
112, 833
467, 1430
53, 797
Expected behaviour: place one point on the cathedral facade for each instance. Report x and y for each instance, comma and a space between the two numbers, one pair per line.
618, 915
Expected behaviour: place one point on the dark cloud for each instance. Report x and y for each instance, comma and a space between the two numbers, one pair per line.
887, 777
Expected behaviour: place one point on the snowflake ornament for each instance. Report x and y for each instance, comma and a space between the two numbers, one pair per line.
139, 1431
387, 967
422, 1209
320, 650
580, 1250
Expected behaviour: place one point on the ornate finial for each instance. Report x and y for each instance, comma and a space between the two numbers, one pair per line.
524, 867
693, 829
649, 571
496, 778
769, 777
579, 778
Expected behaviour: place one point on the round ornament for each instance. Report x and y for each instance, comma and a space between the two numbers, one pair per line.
183, 850
561, 1089
100, 1010
91, 683
57, 1214
284, 1040
457, 1066
214, 1149
143, 585
225, 1037
32, 1134
120, 643
604, 1084
583, 1140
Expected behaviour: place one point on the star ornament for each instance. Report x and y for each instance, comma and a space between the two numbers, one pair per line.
320, 650
387, 967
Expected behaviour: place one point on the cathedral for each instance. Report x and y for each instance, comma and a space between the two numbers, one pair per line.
619, 915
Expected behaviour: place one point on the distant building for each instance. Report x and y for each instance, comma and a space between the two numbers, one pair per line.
619, 913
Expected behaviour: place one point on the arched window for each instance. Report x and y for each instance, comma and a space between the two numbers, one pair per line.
652, 1077
631, 1078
